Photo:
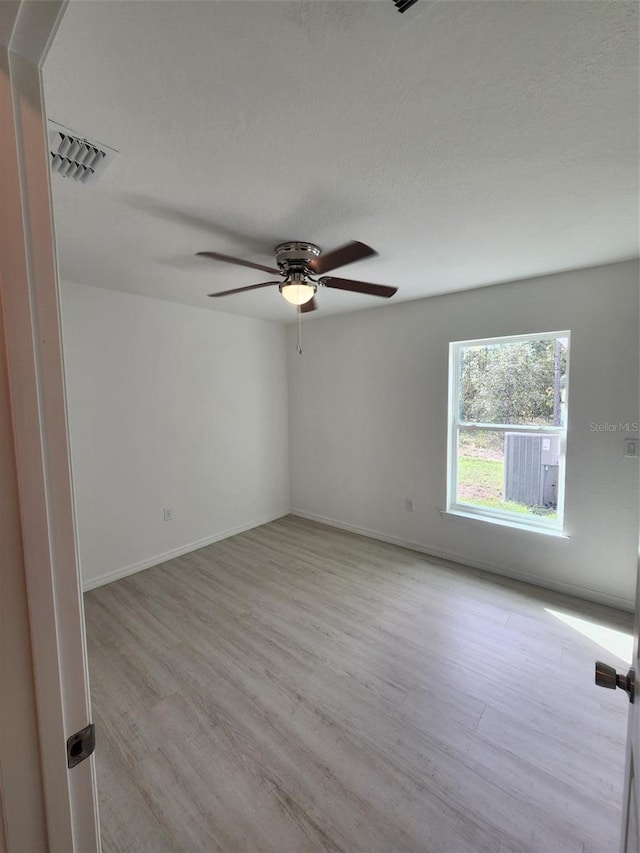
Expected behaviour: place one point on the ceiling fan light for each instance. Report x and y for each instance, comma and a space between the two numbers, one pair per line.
297, 294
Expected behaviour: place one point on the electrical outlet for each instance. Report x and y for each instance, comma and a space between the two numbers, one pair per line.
168, 513
409, 504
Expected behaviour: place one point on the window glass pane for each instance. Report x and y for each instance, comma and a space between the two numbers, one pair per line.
513, 383
514, 472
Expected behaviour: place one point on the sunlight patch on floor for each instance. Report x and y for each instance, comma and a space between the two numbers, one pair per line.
617, 642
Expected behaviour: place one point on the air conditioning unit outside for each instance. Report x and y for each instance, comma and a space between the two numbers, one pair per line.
531, 465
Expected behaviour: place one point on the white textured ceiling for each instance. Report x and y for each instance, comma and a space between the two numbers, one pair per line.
468, 142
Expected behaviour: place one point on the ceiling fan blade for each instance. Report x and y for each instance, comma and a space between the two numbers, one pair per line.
216, 256
347, 254
308, 306
359, 286
242, 289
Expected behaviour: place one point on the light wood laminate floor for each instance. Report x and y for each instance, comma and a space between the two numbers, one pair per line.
298, 688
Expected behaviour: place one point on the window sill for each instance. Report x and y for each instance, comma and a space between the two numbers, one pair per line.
502, 522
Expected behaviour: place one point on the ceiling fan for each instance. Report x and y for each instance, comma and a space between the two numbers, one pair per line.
298, 264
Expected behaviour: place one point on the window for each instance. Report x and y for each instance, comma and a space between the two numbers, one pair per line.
507, 429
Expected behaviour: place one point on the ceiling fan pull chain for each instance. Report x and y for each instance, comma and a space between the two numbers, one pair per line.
299, 340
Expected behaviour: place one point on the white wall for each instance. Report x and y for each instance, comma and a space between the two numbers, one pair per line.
368, 424
170, 406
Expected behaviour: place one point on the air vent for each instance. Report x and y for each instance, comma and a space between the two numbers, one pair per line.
73, 156
403, 5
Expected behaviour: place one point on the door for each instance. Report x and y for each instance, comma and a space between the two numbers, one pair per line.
44, 697
631, 805
606, 676
630, 681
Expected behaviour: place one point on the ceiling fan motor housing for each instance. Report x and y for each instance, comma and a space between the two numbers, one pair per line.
294, 256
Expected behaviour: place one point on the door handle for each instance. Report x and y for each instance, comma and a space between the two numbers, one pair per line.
606, 676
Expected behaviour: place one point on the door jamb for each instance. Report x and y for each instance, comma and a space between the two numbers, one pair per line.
47, 567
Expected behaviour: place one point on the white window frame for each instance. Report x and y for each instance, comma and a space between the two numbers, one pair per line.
504, 517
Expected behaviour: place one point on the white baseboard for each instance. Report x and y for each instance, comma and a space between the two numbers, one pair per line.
450, 556
157, 559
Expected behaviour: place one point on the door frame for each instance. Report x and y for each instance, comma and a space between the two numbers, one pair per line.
44, 680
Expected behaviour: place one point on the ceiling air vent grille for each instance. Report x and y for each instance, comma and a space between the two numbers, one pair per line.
75, 157
403, 5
